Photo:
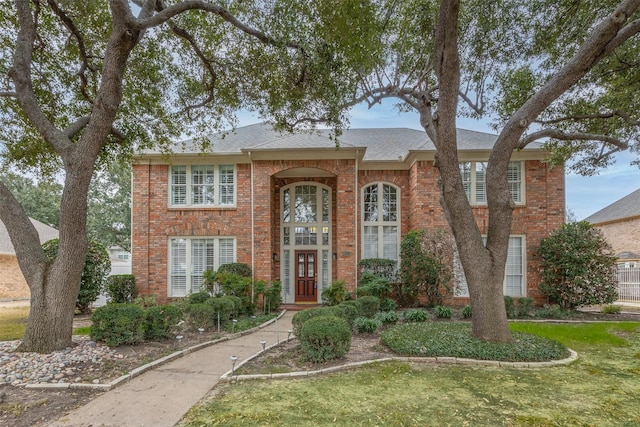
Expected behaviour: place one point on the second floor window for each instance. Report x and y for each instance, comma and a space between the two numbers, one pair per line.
474, 176
202, 185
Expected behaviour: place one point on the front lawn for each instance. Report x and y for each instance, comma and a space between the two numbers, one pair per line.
601, 388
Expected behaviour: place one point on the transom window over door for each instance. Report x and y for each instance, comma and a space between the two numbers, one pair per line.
380, 221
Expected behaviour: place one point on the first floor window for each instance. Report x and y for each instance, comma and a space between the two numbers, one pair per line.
190, 257
381, 225
514, 274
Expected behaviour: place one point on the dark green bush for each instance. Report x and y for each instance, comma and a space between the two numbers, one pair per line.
443, 312
370, 306
117, 324
238, 286
302, 316
354, 303
553, 311
225, 305
416, 315
611, 309
373, 285
201, 316
387, 316
388, 304
509, 307
160, 321
199, 297
346, 311
381, 267
273, 297
578, 267
97, 266
335, 294
466, 311
121, 288
325, 338
366, 325
524, 307
238, 268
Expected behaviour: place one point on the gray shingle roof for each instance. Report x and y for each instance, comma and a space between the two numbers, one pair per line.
44, 231
381, 144
627, 207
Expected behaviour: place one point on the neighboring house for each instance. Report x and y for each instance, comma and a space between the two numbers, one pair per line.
620, 225
12, 283
120, 264
300, 210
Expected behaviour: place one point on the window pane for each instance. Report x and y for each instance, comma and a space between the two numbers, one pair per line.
178, 267
325, 205
202, 258
390, 243
178, 185
370, 246
202, 185
306, 235
371, 203
389, 203
514, 268
286, 272
226, 252
481, 186
465, 171
514, 176
306, 209
325, 269
227, 181
286, 206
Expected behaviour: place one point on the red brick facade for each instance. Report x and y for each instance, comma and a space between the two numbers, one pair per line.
255, 220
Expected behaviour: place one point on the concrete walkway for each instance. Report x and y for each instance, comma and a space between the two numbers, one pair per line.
160, 397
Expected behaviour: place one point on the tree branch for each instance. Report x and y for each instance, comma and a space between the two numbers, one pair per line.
73, 129
571, 136
8, 94
470, 103
622, 114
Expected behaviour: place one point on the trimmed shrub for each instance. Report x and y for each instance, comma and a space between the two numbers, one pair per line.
335, 294
325, 338
348, 312
373, 285
238, 286
365, 325
509, 307
416, 315
578, 267
117, 324
238, 268
443, 312
273, 297
370, 306
524, 307
225, 305
466, 311
387, 317
303, 316
201, 316
388, 304
160, 321
380, 267
354, 303
97, 266
199, 297
121, 288
611, 309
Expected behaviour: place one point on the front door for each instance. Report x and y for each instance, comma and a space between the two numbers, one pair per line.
306, 276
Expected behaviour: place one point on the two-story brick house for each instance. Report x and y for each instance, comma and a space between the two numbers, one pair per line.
300, 210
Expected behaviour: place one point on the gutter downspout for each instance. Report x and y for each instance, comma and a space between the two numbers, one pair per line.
253, 243
355, 221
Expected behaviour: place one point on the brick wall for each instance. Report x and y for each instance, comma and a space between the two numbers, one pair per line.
12, 282
623, 236
153, 223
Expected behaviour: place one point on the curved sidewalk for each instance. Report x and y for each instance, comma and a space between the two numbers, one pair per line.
161, 396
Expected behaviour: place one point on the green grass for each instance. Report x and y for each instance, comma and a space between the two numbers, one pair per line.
601, 388
13, 322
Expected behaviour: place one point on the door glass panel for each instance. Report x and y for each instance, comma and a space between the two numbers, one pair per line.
300, 265
286, 206
311, 265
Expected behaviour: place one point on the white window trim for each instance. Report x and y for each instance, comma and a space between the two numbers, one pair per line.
380, 224
217, 183
472, 183
462, 289
188, 262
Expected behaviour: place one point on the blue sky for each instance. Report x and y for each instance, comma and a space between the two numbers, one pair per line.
584, 195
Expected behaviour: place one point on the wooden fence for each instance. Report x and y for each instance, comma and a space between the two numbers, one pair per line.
629, 284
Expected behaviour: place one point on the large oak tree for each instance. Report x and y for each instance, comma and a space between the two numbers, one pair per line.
90, 81
564, 71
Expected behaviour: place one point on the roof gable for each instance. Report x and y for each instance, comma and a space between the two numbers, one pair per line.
627, 207
44, 232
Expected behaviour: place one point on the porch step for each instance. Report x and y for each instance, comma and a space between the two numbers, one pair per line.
298, 307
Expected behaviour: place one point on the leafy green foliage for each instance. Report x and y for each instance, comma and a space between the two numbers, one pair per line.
160, 321
97, 266
427, 257
416, 315
335, 294
233, 284
380, 267
466, 312
374, 285
199, 297
227, 306
201, 316
121, 288
117, 324
349, 312
510, 307
611, 309
369, 306
388, 304
454, 339
41, 200
300, 317
443, 312
366, 325
272, 297
239, 268
387, 317
325, 338
577, 266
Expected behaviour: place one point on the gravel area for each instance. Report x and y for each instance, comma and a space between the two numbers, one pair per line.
57, 367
